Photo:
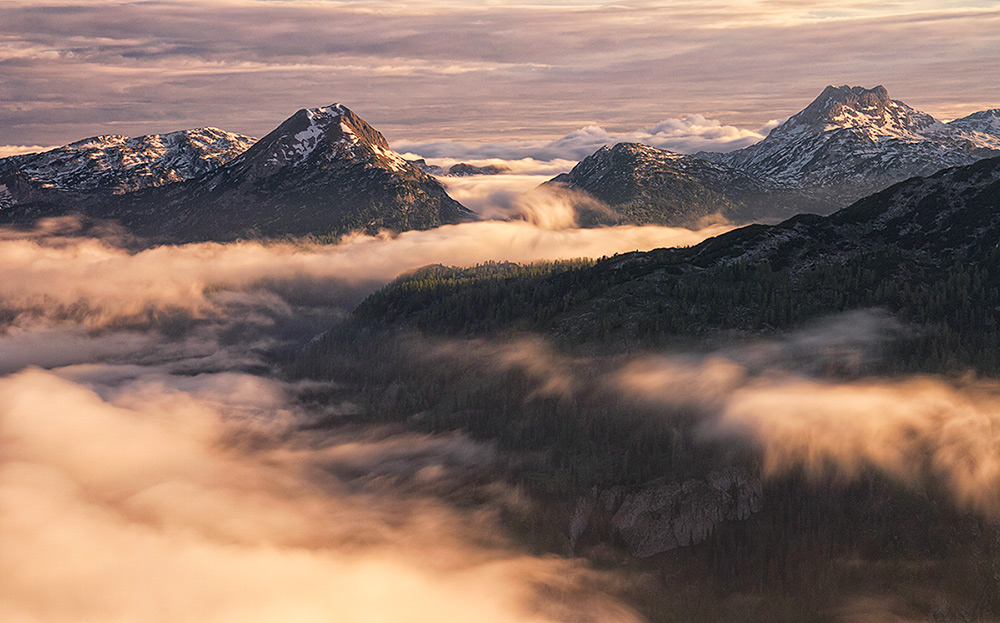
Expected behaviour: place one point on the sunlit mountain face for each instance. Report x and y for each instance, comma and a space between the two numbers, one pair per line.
567, 311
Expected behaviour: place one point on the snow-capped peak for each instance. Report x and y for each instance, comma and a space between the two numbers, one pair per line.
851, 140
330, 112
868, 112
318, 137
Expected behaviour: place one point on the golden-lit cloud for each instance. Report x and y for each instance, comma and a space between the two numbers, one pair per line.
97, 283
14, 150
140, 502
916, 430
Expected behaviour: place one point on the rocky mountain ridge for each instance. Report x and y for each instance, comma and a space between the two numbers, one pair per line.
120, 164
852, 141
114, 165
953, 215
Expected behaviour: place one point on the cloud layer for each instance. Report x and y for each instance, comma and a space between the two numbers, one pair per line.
477, 72
147, 475
154, 471
150, 500
83, 279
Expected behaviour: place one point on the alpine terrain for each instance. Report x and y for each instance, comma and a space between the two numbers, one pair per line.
814, 309
846, 144
322, 172
852, 141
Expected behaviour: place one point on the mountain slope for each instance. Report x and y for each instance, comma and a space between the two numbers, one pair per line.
852, 141
951, 216
646, 185
323, 171
983, 127
444, 350
113, 165
925, 249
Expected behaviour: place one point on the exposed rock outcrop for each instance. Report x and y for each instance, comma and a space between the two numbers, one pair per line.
660, 518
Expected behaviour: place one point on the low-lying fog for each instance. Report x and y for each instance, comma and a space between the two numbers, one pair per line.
151, 468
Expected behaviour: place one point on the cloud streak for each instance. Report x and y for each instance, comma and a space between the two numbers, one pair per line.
688, 135
916, 430
82, 279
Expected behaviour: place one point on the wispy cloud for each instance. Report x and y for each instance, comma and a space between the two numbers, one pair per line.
13, 150
475, 71
55, 277
688, 135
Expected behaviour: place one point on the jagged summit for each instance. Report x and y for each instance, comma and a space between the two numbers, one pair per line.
121, 164
319, 136
833, 100
869, 112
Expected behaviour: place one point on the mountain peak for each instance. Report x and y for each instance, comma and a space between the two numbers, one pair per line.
323, 135
852, 140
844, 106
857, 96
868, 112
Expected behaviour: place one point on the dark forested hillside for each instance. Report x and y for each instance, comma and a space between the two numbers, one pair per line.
645, 489
925, 250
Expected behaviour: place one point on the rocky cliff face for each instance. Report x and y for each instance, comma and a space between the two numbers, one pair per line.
660, 518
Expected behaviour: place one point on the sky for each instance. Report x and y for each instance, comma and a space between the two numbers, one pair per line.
445, 77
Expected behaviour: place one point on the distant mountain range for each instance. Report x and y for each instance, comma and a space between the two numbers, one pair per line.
322, 172
325, 172
848, 143
462, 169
852, 141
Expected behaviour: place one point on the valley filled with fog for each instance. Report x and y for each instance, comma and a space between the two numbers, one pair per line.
159, 461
